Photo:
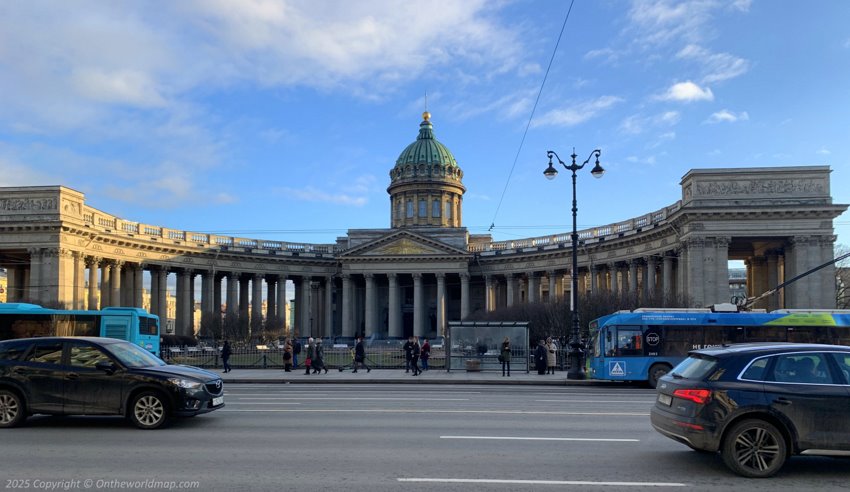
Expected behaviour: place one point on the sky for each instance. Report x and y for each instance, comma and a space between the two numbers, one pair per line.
282, 119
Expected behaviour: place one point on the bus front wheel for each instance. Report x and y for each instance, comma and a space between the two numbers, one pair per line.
656, 372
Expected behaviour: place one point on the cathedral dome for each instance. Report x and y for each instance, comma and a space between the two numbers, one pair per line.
425, 184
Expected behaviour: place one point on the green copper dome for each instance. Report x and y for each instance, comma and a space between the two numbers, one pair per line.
426, 188
426, 149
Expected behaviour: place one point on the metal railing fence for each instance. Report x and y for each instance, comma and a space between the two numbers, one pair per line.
342, 357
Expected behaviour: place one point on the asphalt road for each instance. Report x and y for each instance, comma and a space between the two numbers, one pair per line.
388, 437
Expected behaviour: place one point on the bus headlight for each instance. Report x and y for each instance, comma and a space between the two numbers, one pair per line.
184, 383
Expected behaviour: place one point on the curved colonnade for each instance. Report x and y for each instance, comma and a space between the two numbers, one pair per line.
57, 250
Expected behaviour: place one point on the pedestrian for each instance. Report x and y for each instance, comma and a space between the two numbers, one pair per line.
408, 353
426, 354
225, 355
296, 350
540, 357
551, 356
416, 351
309, 360
505, 356
287, 355
319, 358
360, 355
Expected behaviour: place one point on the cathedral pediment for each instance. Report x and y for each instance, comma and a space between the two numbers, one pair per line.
404, 244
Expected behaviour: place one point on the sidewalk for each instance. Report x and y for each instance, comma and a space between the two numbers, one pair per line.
398, 376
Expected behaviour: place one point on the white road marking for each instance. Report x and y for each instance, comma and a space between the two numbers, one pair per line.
335, 398
231, 402
541, 482
634, 402
487, 412
512, 438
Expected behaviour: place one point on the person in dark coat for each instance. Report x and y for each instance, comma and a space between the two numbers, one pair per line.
426, 354
225, 356
416, 351
318, 361
287, 355
408, 353
360, 355
540, 357
505, 356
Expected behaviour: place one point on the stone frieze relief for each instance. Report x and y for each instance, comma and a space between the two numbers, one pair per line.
762, 187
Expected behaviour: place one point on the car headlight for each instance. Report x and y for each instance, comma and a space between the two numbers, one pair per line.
184, 383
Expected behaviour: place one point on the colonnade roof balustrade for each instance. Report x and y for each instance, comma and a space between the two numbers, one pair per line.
618, 229
112, 224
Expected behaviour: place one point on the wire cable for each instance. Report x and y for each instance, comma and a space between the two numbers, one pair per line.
531, 116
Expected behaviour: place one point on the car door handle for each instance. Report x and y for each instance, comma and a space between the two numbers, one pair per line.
782, 401
72, 376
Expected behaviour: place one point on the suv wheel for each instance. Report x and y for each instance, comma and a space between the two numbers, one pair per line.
754, 448
656, 372
149, 410
12, 411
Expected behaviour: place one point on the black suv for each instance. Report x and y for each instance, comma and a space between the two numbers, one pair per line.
758, 404
99, 376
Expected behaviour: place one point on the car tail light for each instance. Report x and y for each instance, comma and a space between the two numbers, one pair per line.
699, 396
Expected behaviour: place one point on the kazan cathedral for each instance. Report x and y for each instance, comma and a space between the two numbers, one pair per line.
425, 269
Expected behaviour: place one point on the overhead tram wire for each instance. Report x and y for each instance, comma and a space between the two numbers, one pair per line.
531, 116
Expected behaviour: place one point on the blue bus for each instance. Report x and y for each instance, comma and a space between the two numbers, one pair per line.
20, 320
644, 344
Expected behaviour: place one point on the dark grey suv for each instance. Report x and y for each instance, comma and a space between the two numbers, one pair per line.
758, 404
99, 376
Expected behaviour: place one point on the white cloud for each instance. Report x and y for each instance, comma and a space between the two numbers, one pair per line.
669, 117
130, 87
606, 54
687, 92
636, 124
726, 116
716, 66
657, 22
313, 194
823, 151
576, 113
742, 5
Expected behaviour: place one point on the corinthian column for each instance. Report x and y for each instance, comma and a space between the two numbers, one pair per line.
394, 306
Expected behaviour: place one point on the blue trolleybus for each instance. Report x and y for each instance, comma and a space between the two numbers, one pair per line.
19, 320
644, 344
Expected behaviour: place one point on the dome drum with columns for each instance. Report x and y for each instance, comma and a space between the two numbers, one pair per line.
426, 270
425, 184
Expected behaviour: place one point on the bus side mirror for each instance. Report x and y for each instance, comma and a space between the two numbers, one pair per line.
608, 337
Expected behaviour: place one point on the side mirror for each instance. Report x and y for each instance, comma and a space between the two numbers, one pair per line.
608, 337
106, 366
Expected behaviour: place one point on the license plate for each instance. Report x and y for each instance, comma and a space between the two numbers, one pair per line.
665, 399
219, 400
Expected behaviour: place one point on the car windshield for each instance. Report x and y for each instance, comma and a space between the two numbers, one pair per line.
133, 356
695, 367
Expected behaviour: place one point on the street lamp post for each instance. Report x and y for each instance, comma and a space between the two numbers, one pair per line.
576, 344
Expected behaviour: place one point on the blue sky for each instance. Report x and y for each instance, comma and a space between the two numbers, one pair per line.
282, 119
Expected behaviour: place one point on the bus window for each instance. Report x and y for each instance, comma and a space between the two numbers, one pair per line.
148, 326
629, 341
76, 325
809, 334
679, 340
24, 326
766, 334
840, 335
717, 335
